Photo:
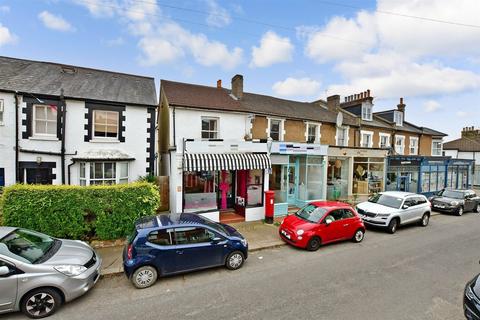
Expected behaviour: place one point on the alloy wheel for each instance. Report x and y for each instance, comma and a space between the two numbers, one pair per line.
425, 220
359, 236
235, 261
460, 211
40, 304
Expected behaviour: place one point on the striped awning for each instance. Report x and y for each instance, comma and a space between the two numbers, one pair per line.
225, 161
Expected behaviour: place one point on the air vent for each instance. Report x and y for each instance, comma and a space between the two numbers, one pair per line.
69, 70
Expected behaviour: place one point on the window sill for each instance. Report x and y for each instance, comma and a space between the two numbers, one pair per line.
45, 138
99, 140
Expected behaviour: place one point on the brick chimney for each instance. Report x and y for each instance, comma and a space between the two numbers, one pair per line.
401, 106
237, 86
333, 103
219, 83
470, 132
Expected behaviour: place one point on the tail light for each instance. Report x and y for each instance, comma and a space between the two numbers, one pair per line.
130, 252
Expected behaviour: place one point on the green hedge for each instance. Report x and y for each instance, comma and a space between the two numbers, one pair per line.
93, 212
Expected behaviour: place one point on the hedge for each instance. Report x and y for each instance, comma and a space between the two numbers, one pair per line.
75, 212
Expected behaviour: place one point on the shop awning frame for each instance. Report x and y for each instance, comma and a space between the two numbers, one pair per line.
225, 161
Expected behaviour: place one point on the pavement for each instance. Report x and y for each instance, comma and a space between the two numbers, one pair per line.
415, 274
259, 235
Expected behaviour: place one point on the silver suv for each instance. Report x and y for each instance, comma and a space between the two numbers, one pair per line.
393, 208
38, 273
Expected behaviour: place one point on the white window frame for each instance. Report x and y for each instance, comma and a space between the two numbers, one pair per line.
346, 137
401, 138
367, 112
281, 128
384, 135
369, 134
117, 179
398, 118
318, 134
415, 147
441, 147
2, 112
34, 122
217, 127
93, 124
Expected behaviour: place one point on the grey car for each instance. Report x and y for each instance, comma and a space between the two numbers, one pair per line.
38, 273
456, 201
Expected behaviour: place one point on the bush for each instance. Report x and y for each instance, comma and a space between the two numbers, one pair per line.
92, 212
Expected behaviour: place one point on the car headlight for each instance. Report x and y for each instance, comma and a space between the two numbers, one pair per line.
300, 232
383, 215
70, 270
244, 242
454, 203
469, 293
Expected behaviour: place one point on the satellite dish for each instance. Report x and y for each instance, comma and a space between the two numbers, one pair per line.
339, 119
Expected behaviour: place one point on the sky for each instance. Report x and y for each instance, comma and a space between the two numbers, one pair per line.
427, 51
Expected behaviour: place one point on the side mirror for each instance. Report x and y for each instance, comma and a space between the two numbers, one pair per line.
405, 206
216, 240
328, 221
4, 271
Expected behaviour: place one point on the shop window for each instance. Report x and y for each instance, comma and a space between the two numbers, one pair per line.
399, 144
255, 188
436, 148
94, 173
384, 141
200, 191
366, 139
313, 133
105, 124
275, 129
367, 112
278, 180
45, 120
337, 178
209, 128
398, 118
368, 175
413, 146
314, 178
342, 136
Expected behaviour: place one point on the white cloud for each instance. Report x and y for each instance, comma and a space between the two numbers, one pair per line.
157, 50
217, 16
6, 36
54, 22
100, 8
297, 87
273, 49
431, 106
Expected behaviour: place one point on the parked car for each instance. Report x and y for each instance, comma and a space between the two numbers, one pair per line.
455, 201
471, 299
322, 222
392, 209
169, 244
38, 273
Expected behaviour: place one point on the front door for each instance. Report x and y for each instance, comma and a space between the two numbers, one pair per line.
8, 283
404, 183
38, 176
292, 176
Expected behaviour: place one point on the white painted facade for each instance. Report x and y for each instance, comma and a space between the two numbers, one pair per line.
135, 144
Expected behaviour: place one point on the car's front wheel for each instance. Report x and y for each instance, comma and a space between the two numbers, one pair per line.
235, 260
144, 277
425, 220
392, 226
359, 235
460, 211
476, 208
40, 303
314, 244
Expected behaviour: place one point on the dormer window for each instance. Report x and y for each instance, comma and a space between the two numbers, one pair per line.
398, 118
367, 112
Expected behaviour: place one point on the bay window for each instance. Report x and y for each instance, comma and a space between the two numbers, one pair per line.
99, 173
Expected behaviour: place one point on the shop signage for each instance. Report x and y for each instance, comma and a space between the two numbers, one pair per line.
299, 148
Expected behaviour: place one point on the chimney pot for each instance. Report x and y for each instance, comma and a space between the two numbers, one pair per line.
361, 95
237, 86
401, 106
219, 83
368, 92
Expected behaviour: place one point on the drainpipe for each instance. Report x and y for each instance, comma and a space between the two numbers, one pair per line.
69, 170
63, 107
17, 175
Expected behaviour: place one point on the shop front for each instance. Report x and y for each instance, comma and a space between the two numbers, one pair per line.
230, 180
460, 173
355, 172
298, 174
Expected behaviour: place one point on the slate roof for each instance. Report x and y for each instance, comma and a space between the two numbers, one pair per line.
463, 144
47, 78
213, 98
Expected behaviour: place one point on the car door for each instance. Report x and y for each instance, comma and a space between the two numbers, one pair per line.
195, 248
349, 223
469, 201
162, 247
409, 210
9, 286
335, 230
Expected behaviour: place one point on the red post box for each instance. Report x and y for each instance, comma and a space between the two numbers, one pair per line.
269, 205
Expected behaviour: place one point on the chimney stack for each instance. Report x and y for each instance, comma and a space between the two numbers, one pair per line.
401, 106
219, 83
333, 103
237, 86
470, 132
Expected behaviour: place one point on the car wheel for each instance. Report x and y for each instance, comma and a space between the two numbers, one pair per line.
475, 209
314, 244
144, 277
359, 235
392, 226
460, 211
40, 303
235, 260
425, 220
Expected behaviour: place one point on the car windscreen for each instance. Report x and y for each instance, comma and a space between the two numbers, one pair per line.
215, 226
386, 200
311, 213
452, 194
27, 245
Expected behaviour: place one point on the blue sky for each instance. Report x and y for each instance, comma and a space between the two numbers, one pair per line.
302, 49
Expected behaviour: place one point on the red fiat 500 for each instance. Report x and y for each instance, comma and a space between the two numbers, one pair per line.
320, 223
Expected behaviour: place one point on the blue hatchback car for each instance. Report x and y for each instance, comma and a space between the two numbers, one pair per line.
169, 244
